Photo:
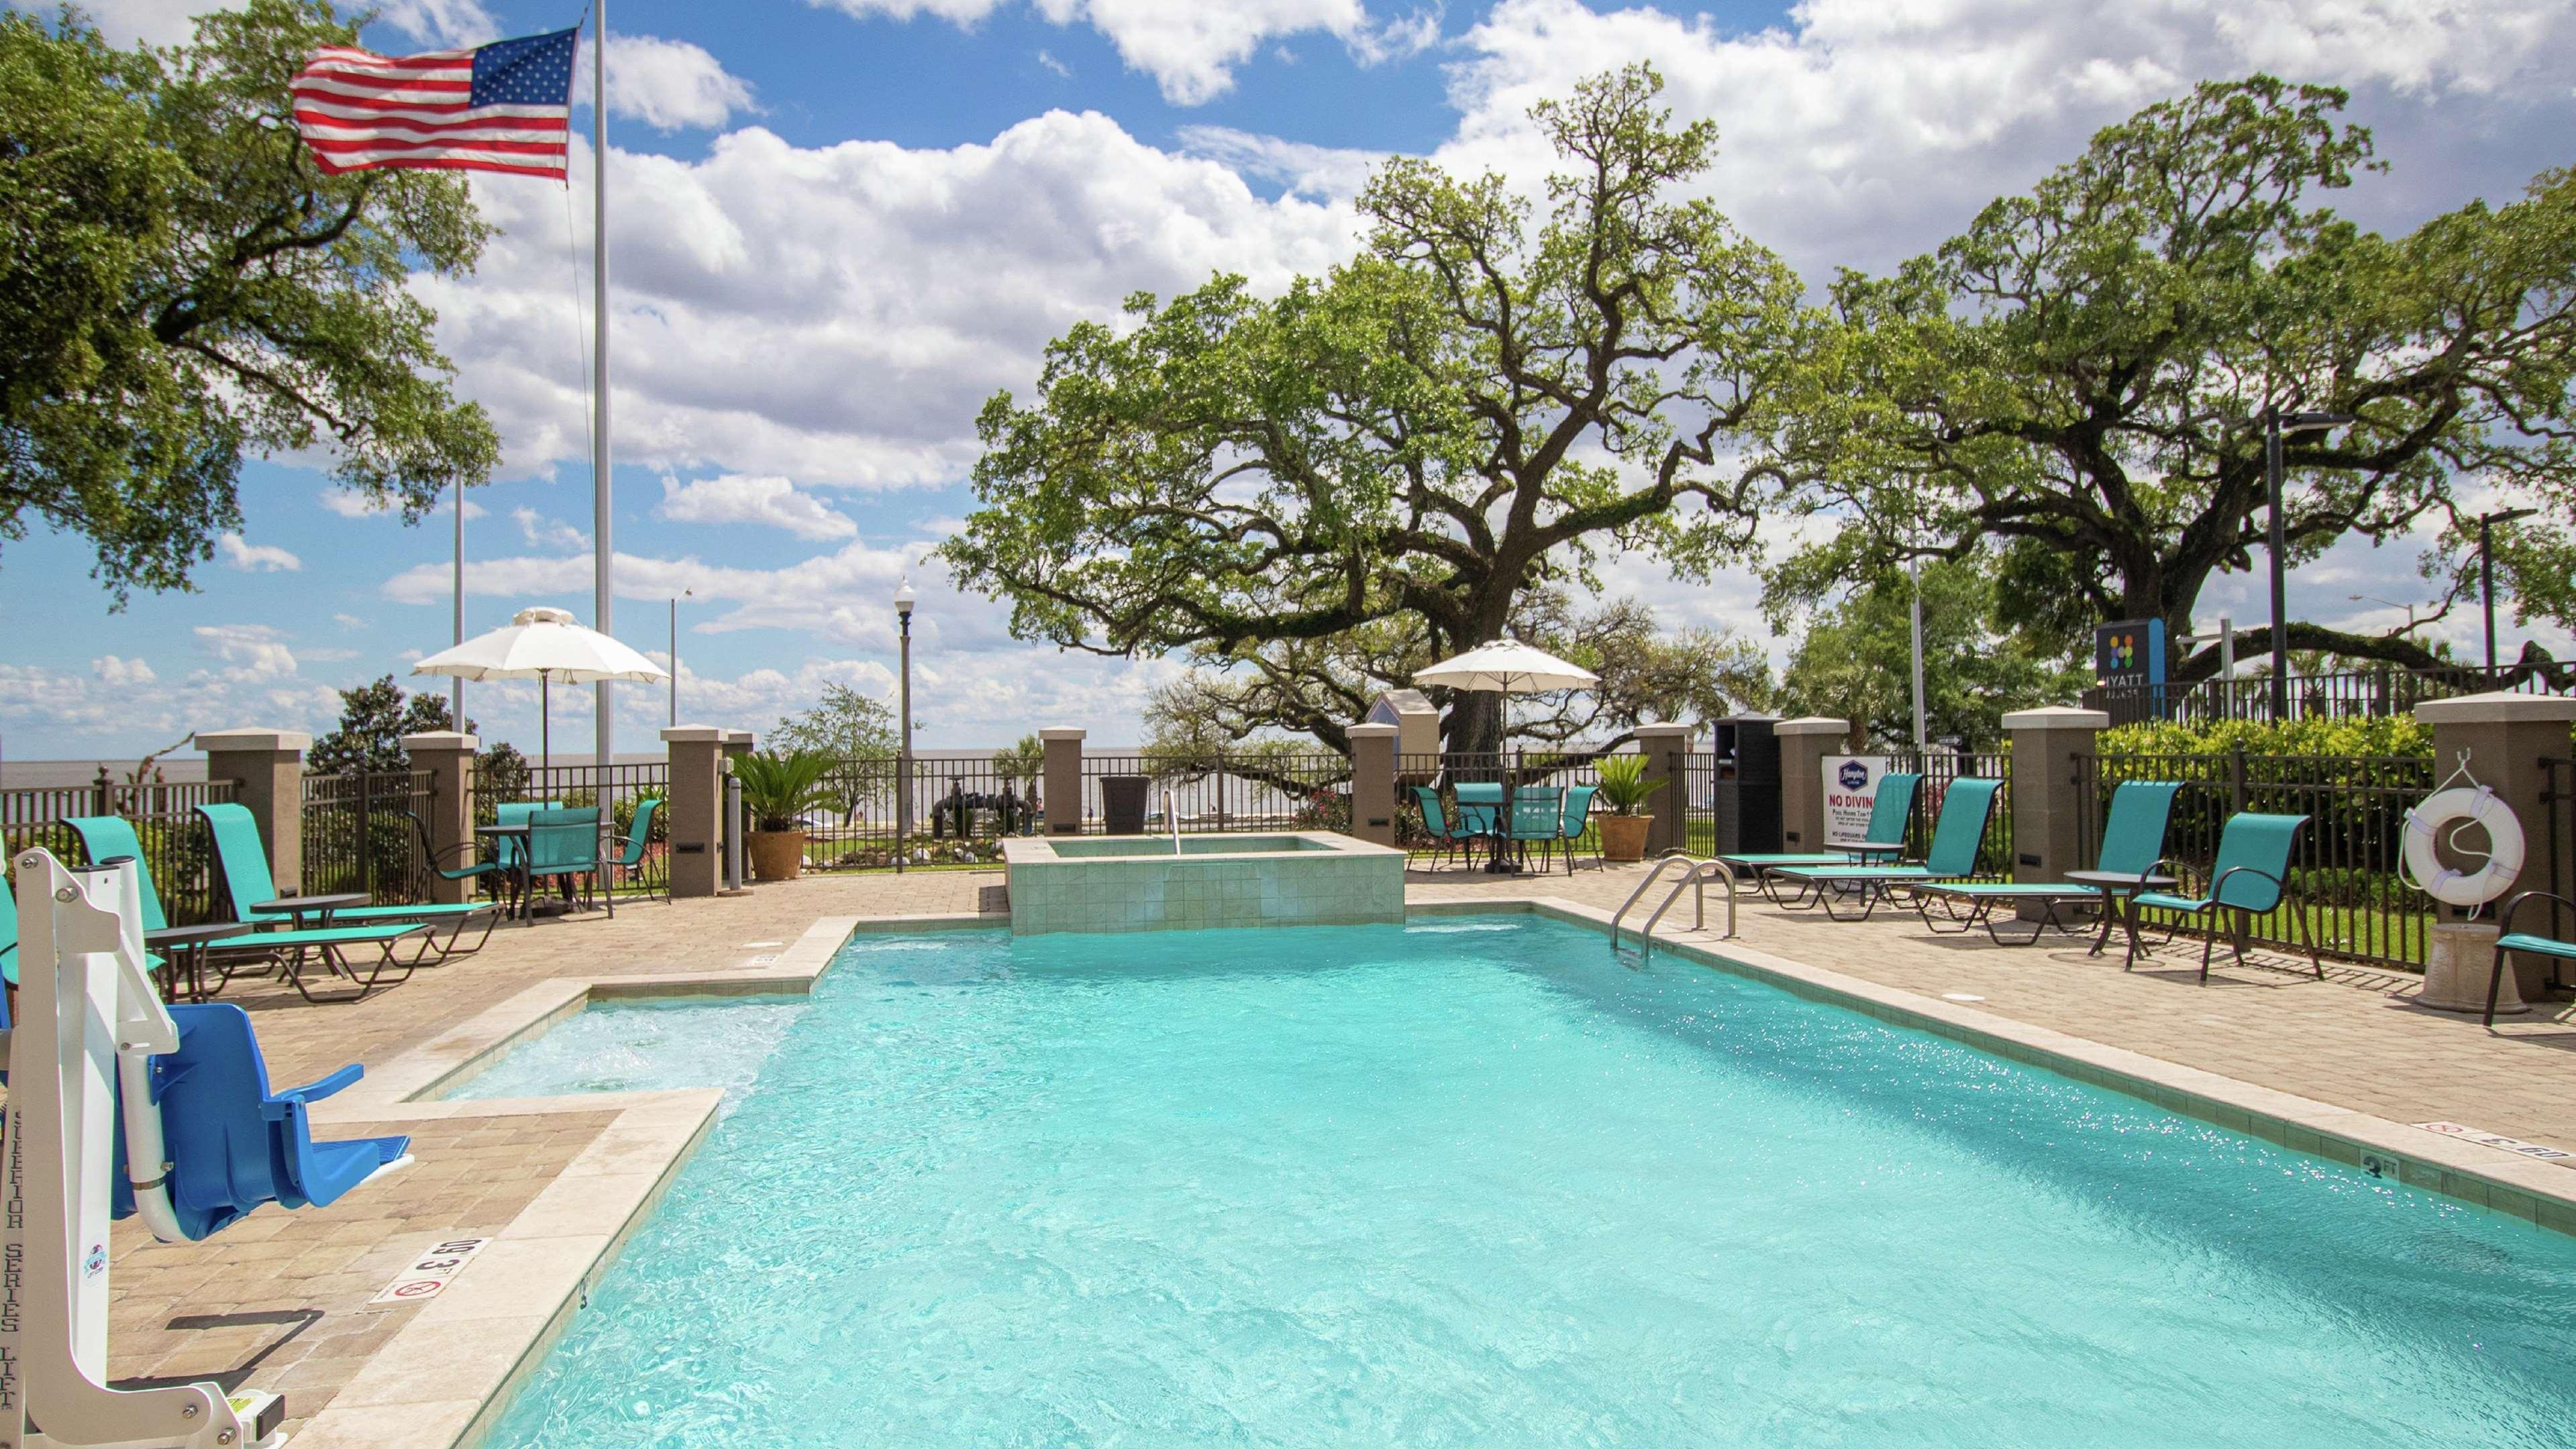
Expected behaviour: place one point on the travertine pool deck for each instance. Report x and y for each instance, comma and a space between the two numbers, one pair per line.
281, 1300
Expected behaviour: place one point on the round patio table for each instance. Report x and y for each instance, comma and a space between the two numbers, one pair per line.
2116, 887
519, 872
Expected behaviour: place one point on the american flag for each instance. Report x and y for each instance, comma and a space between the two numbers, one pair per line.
498, 107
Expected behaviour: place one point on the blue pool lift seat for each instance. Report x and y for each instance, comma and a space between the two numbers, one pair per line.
233, 1144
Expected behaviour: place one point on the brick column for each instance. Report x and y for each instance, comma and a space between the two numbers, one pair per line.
1373, 782
267, 768
449, 759
1664, 745
697, 797
2505, 736
2048, 815
1063, 780
1804, 743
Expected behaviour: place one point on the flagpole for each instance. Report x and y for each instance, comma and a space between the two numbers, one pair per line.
602, 584
456, 686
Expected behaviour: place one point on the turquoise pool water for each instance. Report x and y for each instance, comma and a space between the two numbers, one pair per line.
1476, 1184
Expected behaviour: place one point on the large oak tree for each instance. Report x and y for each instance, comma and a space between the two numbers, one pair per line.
182, 288
2074, 388
1486, 401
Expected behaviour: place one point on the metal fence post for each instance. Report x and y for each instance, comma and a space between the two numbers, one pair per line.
2236, 778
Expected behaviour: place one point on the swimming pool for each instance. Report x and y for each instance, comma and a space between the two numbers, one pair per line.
1474, 1183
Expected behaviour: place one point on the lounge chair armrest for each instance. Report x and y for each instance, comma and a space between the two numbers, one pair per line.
2504, 918
2278, 884
315, 1091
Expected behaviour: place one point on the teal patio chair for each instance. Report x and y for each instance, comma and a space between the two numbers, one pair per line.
1956, 839
2133, 840
2250, 877
2507, 940
1480, 808
109, 837
1435, 823
629, 859
1578, 819
1890, 810
1538, 818
563, 845
242, 863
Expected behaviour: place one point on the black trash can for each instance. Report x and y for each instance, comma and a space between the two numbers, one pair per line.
1122, 804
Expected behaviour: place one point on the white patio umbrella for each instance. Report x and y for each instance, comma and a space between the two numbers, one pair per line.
1507, 667
544, 645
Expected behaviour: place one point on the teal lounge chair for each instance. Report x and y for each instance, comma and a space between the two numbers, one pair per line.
1883, 839
244, 865
108, 837
2507, 940
1435, 823
2249, 878
1961, 832
2133, 840
1578, 818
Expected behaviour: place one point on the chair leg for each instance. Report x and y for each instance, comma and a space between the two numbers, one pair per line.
2495, 985
2208, 942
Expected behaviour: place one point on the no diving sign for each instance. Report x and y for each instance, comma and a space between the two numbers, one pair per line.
431, 1271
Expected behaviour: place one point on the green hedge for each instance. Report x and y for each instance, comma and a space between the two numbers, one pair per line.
2381, 736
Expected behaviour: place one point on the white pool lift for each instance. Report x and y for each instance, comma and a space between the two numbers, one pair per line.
117, 1050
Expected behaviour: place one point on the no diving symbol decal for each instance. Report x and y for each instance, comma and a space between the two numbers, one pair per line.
431, 1271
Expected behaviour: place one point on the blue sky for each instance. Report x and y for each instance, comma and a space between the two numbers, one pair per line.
838, 226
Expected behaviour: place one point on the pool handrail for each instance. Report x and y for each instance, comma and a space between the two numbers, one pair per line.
1694, 878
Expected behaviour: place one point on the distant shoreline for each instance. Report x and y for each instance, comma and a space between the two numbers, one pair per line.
188, 765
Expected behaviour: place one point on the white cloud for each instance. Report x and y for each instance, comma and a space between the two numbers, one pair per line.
357, 505
544, 532
1053, 64
1861, 132
1191, 47
169, 22
114, 671
838, 314
255, 558
249, 651
734, 498
670, 84
1326, 173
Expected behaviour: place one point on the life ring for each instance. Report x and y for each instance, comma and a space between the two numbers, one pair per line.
2462, 805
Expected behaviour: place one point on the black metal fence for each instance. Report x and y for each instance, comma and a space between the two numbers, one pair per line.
176, 844
1204, 794
2344, 889
960, 810
2356, 694
2556, 856
360, 835
1939, 768
619, 790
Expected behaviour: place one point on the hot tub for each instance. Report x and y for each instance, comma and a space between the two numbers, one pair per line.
1138, 883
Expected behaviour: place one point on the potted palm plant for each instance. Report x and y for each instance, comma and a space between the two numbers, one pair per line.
777, 791
1625, 786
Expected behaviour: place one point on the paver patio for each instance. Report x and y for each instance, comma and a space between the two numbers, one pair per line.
281, 1300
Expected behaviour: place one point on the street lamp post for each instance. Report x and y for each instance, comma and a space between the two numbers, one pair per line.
2486, 571
675, 653
903, 597
2277, 424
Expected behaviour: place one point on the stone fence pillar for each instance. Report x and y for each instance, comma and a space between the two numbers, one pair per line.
2049, 818
1665, 747
697, 801
1373, 782
2505, 737
267, 771
1063, 780
1804, 743
449, 758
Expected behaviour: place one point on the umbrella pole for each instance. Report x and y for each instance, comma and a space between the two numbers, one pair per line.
545, 732
1494, 862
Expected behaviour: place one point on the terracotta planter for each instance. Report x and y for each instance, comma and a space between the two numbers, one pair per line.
1623, 837
776, 854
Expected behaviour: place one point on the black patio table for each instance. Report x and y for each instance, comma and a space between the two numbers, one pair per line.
2116, 887
184, 948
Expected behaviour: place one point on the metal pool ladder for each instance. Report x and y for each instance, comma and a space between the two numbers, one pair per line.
1694, 878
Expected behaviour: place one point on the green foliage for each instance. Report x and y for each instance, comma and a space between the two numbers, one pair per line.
779, 788
373, 720
624, 815
1371, 470
1024, 761
1624, 785
2071, 392
1856, 661
845, 725
184, 288
2361, 738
